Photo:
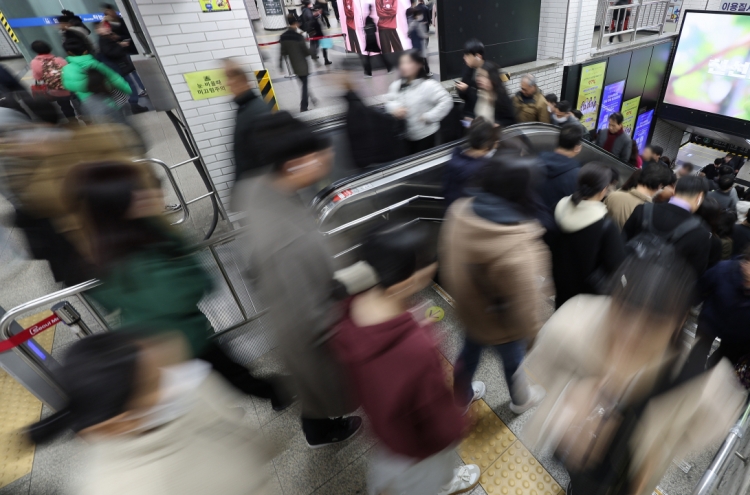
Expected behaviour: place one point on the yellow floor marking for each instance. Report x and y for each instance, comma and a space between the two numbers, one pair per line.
19, 408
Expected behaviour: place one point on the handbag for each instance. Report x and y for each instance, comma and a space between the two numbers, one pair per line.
38, 89
325, 43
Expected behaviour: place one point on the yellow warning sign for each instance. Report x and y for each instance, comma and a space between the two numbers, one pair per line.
7, 27
207, 84
266, 89
434, 313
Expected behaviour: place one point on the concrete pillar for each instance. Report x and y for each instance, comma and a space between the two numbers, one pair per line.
272, 14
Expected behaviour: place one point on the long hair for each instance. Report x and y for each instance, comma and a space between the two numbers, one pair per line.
593, 178
502, 100
103, 193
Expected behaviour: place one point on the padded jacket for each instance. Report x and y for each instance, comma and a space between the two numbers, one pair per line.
76, 79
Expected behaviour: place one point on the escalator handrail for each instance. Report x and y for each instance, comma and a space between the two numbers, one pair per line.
442, 148
387, 209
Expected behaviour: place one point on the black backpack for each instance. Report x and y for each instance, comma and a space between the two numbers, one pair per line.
650, 245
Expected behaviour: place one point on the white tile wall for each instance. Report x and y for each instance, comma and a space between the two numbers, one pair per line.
186, 40
553, 36
549, 81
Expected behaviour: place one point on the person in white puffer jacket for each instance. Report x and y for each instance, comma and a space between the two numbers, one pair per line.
420, 101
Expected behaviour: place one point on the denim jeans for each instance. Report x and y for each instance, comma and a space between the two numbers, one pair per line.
512, 355
134, 90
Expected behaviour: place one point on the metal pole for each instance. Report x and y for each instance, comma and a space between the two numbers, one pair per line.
229, 282
173, 182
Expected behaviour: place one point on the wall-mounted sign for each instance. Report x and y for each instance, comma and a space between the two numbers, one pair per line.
207, 84
273, 7
214, 5
589, 92
735, 6
719, 145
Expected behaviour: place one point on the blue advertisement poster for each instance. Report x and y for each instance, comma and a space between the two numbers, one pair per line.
642, 126
611, 101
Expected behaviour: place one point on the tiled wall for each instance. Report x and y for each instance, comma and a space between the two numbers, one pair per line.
188, 40
548, 80
553, 36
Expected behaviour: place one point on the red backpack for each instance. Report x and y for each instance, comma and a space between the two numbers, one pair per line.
51, 79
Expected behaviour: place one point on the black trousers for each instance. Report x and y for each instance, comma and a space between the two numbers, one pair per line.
353, 40
368, 63
66, 105
236, 374
389, 40
424, 144
305, 94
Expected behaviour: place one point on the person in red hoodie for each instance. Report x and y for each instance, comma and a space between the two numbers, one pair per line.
351, 27
395, 369
389, 40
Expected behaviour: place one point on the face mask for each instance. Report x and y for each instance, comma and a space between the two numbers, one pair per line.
558, 120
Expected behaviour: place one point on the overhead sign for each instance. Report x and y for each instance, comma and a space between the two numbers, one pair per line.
719, 145
206, 84
736, 6
214, 5
23, 22
589, 92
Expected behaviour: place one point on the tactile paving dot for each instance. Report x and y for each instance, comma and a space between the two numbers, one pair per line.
516, 472
489, 437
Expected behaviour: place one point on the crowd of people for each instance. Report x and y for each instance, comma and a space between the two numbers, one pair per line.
625, 261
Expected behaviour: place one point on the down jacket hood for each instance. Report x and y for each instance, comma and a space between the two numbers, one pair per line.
571, 218
377, 340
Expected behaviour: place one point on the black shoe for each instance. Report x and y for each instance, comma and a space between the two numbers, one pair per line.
328, 62
47, 429
342, 429
136, 109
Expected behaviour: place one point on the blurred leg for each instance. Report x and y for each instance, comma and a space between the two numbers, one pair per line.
368, 64
303, 104
512, 355
464, 369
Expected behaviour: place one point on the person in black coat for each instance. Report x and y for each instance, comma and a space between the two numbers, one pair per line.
695, 246
371, 44
113, 52
375, 132
561, 167
493, 102
467, 87
588, 248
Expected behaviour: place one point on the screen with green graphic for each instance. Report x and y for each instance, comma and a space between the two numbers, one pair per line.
711, 69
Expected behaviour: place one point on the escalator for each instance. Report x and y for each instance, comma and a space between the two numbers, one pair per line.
409, 191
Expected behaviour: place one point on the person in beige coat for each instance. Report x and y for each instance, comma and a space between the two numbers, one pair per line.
492, 260
619, 405
530, 104
620, 204
157, 424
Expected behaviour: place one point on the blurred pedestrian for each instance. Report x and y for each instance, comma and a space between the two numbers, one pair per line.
710, 212
492, 262
100, 107
635, 158
462, 168
741, 236
147, 271
250, 110
371, 44
529, 102
396, 370
419, 101
562, 114
588, 248
652, 154
75, 73
467, 87
723, 194
47, 69
155, 423
322, 7
493, 102
621, 204
419, 36
616, 410
287, 259
614, 138
294, 49
693, 242
560, 167
71, 28
114, 49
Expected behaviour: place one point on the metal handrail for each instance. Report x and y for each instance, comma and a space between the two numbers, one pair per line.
637, 8
713, 474
387, 209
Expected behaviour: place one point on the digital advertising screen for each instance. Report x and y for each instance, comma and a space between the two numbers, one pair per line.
711, 69
390, 18
589, 92
629, 113
611, 101
642, 127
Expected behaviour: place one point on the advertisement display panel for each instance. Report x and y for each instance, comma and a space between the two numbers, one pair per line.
642, 128
589, 92
389, 16
711, 73
611, 101
629, 113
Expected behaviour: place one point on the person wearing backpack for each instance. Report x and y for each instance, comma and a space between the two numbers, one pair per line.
653, 223
47, 69
587, 248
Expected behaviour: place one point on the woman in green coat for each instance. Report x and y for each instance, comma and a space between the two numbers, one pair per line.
146, 270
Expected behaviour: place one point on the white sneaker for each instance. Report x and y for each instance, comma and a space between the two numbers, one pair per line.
464, 479
537, 394
479, 389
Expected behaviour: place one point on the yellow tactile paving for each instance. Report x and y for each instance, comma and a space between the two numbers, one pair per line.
19, 408
488, 439
516, 472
